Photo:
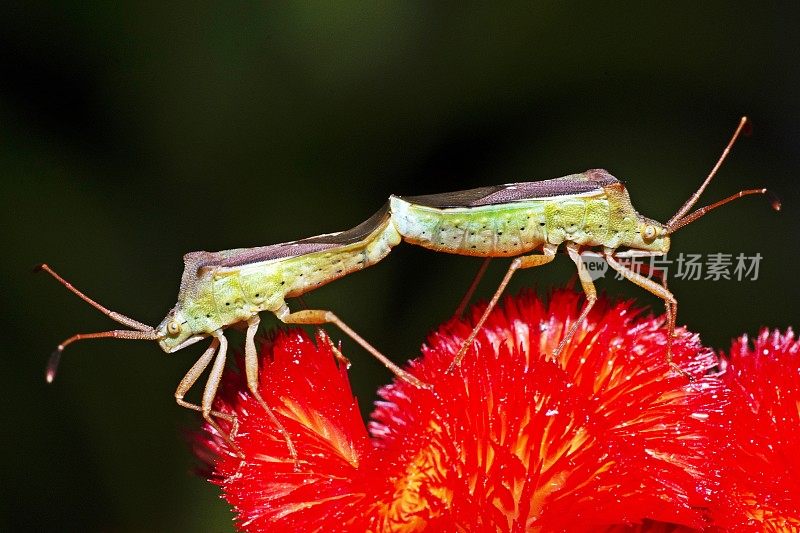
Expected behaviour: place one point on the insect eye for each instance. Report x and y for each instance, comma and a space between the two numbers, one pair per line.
649, 232
174, 327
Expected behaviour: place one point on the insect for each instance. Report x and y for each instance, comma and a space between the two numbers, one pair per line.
219, 289
581, 211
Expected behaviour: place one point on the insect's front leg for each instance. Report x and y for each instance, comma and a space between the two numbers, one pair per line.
650, 271
220, 345
588, 288
190, 379
525, 261
251, 369
651, 286
320, 316
186, 383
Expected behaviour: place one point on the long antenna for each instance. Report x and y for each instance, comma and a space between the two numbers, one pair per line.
693, 199
55, 357
776, 205
140, 331
113, 315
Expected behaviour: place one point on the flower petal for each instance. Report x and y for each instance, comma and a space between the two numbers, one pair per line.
761, 488
603, 438
311, 395
516, 440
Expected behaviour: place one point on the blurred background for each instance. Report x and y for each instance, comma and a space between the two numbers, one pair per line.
131, 134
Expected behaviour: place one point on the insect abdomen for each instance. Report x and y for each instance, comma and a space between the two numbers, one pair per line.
486, 231
503, 230
307, 272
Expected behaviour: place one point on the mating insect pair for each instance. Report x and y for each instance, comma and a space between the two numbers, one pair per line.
582, 211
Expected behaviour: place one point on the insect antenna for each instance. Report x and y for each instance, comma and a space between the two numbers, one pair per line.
696, 196
139, 332
774, 201
681, 219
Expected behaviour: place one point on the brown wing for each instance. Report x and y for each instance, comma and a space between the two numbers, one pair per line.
589, 181
245, 256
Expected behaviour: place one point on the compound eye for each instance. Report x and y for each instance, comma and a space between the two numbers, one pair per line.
649, 232
173, 328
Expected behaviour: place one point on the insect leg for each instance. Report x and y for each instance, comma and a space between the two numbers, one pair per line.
319, 316
251, 368
336, 352
191, 378
658, 290
588, 289
474, 285
212, 384
525, 261
662, 275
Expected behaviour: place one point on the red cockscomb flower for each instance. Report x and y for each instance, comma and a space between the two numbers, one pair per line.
761, 469
604, 438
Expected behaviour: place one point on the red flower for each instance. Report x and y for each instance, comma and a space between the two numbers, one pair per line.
761, 481
604, 438
311, 394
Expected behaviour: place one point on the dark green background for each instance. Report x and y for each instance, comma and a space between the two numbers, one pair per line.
131, 135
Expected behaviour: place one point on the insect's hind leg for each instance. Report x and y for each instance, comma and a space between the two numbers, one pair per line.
319, 317
251, 369
588, 289
669, 301
462, 305
525, 261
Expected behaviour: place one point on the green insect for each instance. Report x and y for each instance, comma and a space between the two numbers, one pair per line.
233, 286
581, 211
